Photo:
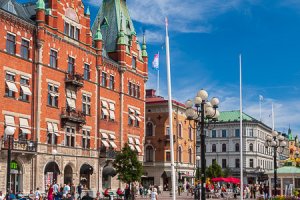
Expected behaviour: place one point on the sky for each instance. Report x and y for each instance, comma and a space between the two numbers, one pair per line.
206, 38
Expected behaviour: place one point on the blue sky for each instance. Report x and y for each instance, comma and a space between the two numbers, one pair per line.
206, 37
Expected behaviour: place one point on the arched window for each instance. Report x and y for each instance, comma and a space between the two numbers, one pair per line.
190, 156
180, 130
149, 129
190, 133
149, 154
223, 147
179, 154
237, 147
250, 147
213, 148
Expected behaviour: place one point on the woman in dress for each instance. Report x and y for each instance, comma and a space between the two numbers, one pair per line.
50, 192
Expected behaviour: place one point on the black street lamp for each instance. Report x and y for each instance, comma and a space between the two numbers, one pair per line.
276, 141
9, 132
203, 113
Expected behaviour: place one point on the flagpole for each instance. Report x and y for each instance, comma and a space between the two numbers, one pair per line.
157, 90
170, 111
241, 131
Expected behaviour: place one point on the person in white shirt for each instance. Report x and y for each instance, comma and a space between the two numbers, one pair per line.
154, 195
2, 196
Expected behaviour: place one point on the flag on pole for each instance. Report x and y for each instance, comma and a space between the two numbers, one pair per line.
155, 63
261, 98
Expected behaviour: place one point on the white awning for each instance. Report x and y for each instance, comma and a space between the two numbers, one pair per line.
71, 103
130, 140
104, 135
25, 131
112, 114
26, 90
12, 86
137, 141
132, 117
104, 104
139, 119
138, 112
69, 94
9, 120
23, 122
113, 144
57, 134
131, 110
105, 112
112, 136
54, 94
138, 148
73, 94
50, 127
55, 128
111, 106
105, 143
131, 147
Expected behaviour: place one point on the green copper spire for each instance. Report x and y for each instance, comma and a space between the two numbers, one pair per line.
98, 35
290, 135
144, 47
88, 11
40, 5
121, 35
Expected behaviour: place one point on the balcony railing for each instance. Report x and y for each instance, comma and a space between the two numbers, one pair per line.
72, 115
107, 153
74, 79
20, 145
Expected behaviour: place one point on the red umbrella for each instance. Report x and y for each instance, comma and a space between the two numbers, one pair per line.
233, 180
218, 179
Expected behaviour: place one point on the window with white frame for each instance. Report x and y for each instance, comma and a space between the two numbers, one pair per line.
131, 117
111, 141
10, 43
71, 65
71, 31
53, 94
71, 99
137, 118
86, 74
112, 108
103, 80
111, 82
10, 87
24, 129
24, 90
86, 140
104, 110
86, 104
70, 137
53, 58
52, 133
25, 49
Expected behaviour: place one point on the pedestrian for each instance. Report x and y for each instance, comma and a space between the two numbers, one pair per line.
79, 191
187, 188
72, 191
154, 195
126, 191
37, 194
2, 196
50, 192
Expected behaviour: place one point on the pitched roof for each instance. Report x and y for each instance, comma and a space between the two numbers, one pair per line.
23, 11
234, 116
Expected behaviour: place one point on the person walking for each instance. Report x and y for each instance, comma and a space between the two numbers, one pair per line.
50, 193
79, 191
154, 195
37, 194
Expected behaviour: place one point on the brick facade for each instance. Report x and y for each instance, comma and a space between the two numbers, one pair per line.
78, 105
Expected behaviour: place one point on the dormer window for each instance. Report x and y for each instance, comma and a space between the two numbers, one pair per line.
71, 31
11, 8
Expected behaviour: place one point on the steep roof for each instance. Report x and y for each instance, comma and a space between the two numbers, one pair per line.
290, 135
112, 15
23, 11
232, 116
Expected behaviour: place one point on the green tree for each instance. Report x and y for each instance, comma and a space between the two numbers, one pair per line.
214, 170
227, 172
127, 165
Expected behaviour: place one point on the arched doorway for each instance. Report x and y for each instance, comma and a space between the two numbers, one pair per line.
51, 172
15, 177
86, 171
68, 175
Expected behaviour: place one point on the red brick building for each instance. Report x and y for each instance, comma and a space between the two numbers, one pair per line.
74, 93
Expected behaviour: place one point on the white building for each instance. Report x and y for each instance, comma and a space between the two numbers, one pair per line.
223, 146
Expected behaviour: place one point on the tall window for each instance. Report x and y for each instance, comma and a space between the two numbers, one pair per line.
71, 31
25, 49
168, 156
10, 43
237, 132
224, 163
251, 163
237, 147
138, 92
70, 137
133, 90
67, 28
137, 119
190, 156
190, 133
53, 58
179, 154
214, 148
167, 130
86, 104
129, 88
10, 87
180, 130
133, 62
71, 65
52, 95
52, 133
111, 82
24, 90
237, 163
250, 147
223, 147
149, 154
103, 81
224, 135
86, 73
213, 133
250, 132
86, 139
149, 129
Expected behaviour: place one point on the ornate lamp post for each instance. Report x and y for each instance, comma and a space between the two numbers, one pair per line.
275, 142
202, 112
9, 132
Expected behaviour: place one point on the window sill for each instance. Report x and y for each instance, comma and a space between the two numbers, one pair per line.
10, 97
52, 107
25, 101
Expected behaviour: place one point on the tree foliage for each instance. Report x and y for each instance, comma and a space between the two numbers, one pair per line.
127, 165
227, 172
214, 170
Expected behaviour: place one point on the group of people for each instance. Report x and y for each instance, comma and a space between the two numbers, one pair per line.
255, 190
66, 191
